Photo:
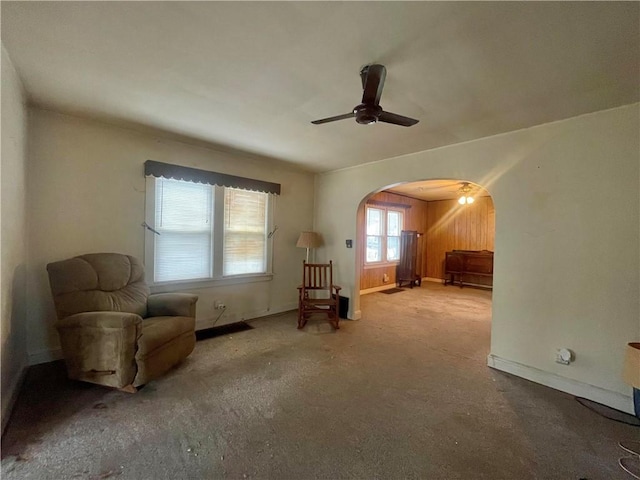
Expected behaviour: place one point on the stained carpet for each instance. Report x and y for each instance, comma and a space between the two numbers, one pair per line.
402, 393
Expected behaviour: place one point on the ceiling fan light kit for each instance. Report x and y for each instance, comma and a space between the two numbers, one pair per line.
369, 111
465, 194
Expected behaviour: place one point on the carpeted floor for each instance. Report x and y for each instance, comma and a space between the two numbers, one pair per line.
403, 393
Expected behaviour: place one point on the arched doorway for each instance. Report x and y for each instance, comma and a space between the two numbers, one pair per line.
434, 210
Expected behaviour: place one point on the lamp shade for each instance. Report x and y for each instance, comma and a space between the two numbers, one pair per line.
308, 240
631, 370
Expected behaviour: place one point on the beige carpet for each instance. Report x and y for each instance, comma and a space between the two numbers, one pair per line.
403, 393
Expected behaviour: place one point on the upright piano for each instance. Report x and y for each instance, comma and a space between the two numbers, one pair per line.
469, 267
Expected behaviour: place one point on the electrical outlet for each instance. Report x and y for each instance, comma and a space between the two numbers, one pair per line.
218, 305
564, 356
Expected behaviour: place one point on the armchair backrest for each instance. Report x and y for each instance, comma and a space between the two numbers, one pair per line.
98, 282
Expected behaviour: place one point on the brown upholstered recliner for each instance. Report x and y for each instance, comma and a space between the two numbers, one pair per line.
112, 331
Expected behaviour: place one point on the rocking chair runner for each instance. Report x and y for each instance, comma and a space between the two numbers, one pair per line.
318, 294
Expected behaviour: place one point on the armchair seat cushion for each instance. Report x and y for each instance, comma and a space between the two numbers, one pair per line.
159, 331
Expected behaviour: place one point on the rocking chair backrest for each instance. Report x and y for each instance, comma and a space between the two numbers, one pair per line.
318, 294
317, 276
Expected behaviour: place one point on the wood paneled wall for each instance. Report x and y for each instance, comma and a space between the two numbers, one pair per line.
415, 218
445, 224
451, 226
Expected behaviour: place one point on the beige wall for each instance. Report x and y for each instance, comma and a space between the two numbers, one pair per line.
567, 245
87, 194
13, 228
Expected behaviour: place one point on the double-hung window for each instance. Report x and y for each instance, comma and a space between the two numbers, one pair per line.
202, 232
245, 232
383, 227
184, 222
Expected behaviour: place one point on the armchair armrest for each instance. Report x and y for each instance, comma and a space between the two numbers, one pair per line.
99, 320
172, 304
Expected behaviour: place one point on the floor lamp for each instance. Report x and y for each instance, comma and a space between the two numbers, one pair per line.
308, 240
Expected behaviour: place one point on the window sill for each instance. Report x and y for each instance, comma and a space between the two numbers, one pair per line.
369, 266
208, 283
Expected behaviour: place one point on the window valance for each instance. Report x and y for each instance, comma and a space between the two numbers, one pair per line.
178, 172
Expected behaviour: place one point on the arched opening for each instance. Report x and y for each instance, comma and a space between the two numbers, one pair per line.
447, 227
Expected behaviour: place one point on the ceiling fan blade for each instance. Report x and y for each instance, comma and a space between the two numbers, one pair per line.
333, 119
373, 81
396, 119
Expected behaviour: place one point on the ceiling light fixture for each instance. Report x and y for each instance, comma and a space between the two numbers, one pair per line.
465, 194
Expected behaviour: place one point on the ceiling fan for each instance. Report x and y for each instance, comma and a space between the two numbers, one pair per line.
370, 111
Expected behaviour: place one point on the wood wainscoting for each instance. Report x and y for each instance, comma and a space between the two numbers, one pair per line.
445, 224
415, 218
452, 226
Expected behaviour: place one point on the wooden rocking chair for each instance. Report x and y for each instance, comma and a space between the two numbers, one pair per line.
318, 294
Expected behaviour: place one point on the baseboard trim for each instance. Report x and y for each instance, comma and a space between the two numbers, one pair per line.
377, 289
51, 355
433, 279
600, 395
235, 317
9, 397
356, 315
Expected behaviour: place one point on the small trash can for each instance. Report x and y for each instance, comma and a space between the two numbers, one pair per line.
343, 306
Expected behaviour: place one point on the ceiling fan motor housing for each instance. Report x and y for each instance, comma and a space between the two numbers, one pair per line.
366, 114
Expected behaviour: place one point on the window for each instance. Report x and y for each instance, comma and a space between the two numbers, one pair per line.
205, 232
183, 219
383, 227
245, 228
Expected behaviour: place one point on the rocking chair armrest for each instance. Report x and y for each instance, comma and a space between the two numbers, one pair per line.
337, 288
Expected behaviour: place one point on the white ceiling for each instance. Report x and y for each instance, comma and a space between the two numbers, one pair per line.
252, 76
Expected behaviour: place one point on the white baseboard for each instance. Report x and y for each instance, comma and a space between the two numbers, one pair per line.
600, 395
234, 317
10, 395
377, 289
392, 285
50, 355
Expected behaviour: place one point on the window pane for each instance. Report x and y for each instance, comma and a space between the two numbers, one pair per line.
183, 206
393, 248
182, 256
183, 217
394, 223
245, 232
374, 221
374, 249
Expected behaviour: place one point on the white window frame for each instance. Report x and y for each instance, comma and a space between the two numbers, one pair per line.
384, 235
217, 278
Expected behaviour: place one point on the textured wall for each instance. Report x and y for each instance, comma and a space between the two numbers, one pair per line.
87, 194
567, 208
13, 222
